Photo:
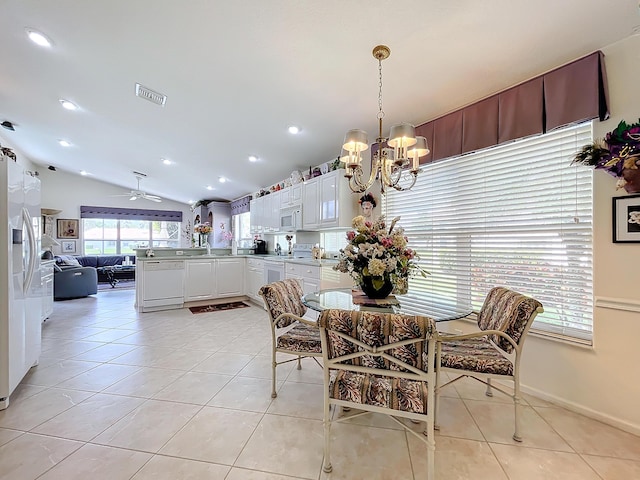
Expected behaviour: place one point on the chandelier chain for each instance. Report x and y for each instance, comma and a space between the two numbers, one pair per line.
380, 110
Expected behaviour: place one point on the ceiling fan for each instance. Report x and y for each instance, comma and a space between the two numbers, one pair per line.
137, 193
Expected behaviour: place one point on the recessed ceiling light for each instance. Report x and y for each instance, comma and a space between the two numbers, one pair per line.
253, 158
166, 161
222, 179
209, 187
84, 173
293, 130
191, 202
64, 143
38, 38
68, 105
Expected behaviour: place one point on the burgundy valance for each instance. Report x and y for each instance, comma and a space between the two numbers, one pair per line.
573, 93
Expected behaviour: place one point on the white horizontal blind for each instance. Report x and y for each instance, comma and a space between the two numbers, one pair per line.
519, 216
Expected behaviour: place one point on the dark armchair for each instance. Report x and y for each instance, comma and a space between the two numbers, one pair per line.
74, 282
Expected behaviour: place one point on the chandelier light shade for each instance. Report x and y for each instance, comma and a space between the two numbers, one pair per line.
355, 142
388, 164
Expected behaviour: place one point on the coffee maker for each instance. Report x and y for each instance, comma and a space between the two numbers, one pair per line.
260, 247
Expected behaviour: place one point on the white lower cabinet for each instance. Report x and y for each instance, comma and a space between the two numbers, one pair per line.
308, 274
211, 278
254, 278
47, 289
230, 277
200, 280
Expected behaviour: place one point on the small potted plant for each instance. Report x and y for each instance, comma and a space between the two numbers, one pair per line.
618, 154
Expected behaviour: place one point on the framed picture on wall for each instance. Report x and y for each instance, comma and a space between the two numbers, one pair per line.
67, 228
626, 219
69, 246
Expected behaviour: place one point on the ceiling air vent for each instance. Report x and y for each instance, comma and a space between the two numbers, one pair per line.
151, 95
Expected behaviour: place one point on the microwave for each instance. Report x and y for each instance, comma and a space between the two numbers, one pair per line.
290, 219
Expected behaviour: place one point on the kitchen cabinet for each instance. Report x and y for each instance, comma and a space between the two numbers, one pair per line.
291, 196
230, 277
310, 204
308, 274
328, 202
200, 279
46, 271
211, 278
265, 214
254, 278
273, 215
256, 215
338, 204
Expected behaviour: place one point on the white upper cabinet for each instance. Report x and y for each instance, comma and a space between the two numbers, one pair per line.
328, 202
310, 205
291, 196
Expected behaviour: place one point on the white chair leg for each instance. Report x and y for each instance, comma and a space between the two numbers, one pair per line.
517, 408
488, 392
436, 398
326, 463
274, 364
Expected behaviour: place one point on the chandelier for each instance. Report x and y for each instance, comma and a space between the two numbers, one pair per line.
389, 162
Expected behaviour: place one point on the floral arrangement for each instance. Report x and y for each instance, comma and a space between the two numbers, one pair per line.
202, 228
617, 154
377, 251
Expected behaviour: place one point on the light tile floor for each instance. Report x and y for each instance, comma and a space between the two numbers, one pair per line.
173, 395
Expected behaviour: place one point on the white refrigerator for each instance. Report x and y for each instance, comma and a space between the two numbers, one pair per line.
20, 283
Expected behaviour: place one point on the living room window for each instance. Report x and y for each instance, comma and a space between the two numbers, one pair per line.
104, 236
517, 215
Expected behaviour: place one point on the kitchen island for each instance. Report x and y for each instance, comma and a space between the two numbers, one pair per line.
170, 279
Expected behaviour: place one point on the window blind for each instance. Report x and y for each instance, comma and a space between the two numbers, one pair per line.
517, 215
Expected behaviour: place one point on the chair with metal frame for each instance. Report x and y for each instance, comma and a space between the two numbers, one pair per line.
383, 363
495, 350
290, 333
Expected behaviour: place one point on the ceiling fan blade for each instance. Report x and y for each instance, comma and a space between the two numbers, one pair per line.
133, 197
153, 198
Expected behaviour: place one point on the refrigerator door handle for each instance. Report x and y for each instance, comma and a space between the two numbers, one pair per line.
26, 217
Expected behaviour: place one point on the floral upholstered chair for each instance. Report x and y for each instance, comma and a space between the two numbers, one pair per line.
495, 350
290, 333
379, 362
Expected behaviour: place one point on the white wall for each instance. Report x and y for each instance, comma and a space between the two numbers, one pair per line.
65, 191
601, 381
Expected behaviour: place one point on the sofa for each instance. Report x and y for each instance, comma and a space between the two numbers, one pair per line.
77, 276
97, 261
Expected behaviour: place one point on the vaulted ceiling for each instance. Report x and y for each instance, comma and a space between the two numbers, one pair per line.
237, 74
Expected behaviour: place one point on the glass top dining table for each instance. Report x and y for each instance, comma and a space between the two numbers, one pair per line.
437, 306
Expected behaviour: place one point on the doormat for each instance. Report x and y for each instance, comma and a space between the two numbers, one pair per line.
218, 307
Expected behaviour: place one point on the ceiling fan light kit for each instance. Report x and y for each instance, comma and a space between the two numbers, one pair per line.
137, 193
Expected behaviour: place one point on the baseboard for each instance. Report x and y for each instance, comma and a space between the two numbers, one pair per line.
582, 410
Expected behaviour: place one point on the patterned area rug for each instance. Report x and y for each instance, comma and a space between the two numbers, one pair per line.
218, 307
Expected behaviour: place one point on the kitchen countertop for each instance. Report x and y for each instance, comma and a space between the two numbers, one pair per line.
325, 262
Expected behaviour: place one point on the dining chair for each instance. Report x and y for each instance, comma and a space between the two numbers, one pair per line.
382, 363
290, 333
495, 350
